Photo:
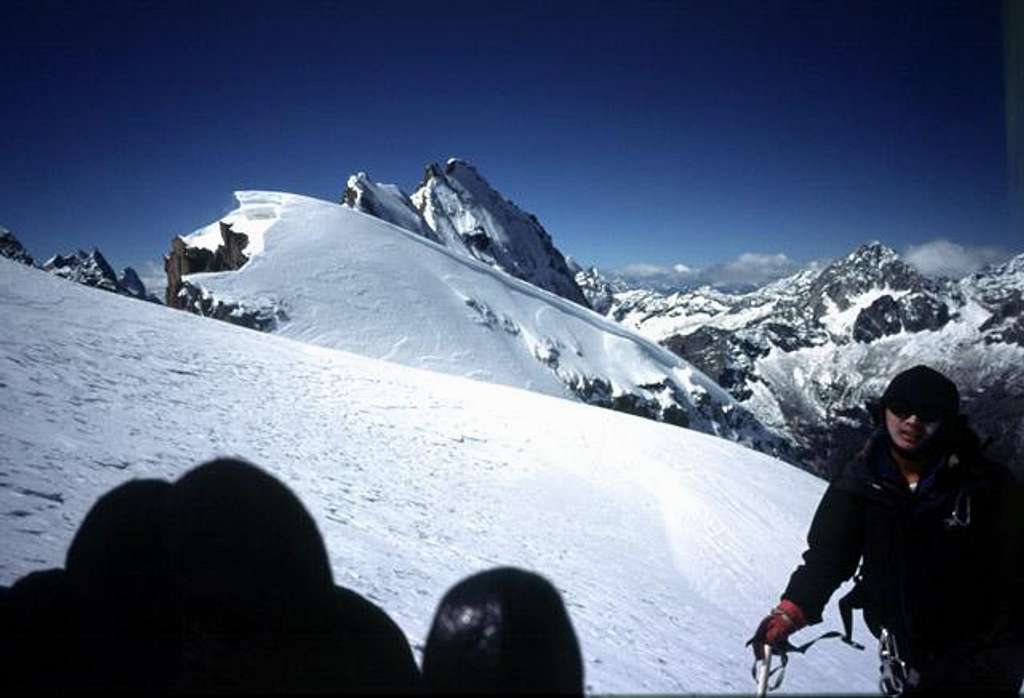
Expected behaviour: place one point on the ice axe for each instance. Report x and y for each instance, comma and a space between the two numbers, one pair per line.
763, 671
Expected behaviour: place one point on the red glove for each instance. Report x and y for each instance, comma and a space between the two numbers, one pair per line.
784, 620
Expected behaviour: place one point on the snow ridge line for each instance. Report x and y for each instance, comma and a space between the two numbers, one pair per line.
586, 315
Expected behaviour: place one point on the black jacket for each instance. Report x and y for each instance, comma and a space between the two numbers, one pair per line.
941, 567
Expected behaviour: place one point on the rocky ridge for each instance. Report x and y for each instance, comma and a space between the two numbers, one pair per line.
87, 268
806, 353
388, 203
185, 259
456, 207
11, 248
92, 269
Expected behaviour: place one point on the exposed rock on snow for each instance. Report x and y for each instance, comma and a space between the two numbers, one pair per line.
456, 207
185, 259
466, 212
387, 202
999, 290
11, 248
264, 315
599, 292
92, 269
88, 268
887, 316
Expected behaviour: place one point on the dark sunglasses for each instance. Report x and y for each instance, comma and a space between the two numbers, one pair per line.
903, 410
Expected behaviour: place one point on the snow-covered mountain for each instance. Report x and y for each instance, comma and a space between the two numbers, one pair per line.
600, 292
455, 206
999, 290
805, 353
88, 268
391, 204
92, 269
11, 248
658, 538
329, 275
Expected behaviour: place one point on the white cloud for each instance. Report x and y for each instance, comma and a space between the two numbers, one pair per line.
945, 258
644, 270
750, 268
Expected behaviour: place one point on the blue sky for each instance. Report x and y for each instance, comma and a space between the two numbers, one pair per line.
654, 133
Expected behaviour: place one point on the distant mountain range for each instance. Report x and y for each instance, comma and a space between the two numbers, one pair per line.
88, 268
807, 352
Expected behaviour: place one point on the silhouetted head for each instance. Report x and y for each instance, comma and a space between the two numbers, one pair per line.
253, 581
503, 631
122, 592
119, 544
239, 539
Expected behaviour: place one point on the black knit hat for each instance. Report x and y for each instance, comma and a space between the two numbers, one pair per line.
923, 391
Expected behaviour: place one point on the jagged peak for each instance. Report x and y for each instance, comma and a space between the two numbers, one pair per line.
81, 258
458, 169
875, 252
361, 181
452, 165
129, 275
11, 248
1013, 265
431, 171
355, 185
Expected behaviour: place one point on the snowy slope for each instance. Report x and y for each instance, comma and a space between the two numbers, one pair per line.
347, 280
667, 544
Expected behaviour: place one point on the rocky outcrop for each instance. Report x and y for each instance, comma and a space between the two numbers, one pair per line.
386, 202
199, 301
999, 289
92, 269
184, 259
456, 207
923, 312
600, 292
1006, 324
11, 248
88, 268
132, 285
471, 217
879, 319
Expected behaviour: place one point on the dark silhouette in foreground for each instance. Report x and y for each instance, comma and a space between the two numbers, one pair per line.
503, 631
257, 603
219, 582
